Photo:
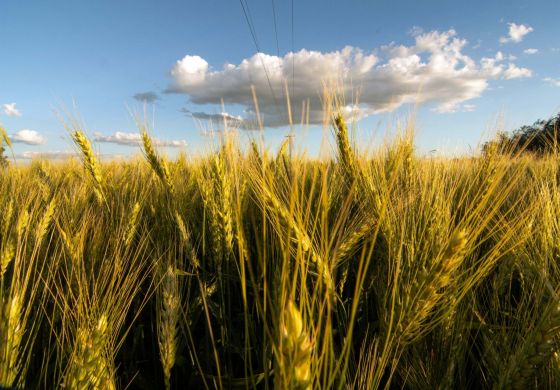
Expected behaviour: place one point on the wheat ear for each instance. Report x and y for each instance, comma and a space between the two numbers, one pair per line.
535, 351
159, 166
90, 366
301, 237
45, 221
187, 240
11, 332
224, 212
132, 224
426, 290
169, 313
345, 152
91, 164
296, 349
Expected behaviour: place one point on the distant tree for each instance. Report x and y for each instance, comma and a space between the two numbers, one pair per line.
3, 158
542, 137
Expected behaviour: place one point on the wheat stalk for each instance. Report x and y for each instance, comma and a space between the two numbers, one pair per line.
7, 218
23, 221
349, 244
534, 352
90, 367
426, 289
69, 244
346, 154
296, 349
186, 237
224, 211
90, 162
168, 317
301, 237
8, 253
45, 221
11, 333
132, 224
159, 166
216, 230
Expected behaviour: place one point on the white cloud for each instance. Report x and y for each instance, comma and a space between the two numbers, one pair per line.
50, 155
60, 155
135, 139
516, 33
433, 69
29, 137
531, 51
550, 80
514, 72
11, 110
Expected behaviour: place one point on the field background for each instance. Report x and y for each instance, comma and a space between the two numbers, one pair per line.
252, 268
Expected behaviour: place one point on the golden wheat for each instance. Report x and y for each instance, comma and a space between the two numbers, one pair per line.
90, 162
11, 336
296, 350
90, 367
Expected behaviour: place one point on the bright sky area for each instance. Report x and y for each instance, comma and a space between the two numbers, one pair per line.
460, 66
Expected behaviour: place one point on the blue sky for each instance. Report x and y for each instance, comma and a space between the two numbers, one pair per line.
462, 65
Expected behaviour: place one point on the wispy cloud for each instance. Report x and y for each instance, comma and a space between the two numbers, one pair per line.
50, 155
415, 31
552, 81
146, 97
516, 33
11, 110
60, 155
29, 137
531, 51
232, 120
434, 69
135, 139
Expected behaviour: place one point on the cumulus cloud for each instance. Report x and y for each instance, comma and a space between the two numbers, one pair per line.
551, 81
146, 97
29, 137
516, 33
531, 51
135, 139
433, 69
11, 110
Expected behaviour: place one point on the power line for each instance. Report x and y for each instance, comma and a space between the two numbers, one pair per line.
293, 53
275, 29
249, 20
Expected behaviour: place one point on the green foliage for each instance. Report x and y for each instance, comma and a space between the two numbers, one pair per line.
3, 158
542, 137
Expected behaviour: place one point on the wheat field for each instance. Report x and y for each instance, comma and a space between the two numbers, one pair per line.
255, 268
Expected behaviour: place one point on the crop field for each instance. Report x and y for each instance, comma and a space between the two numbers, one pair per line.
259, 268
